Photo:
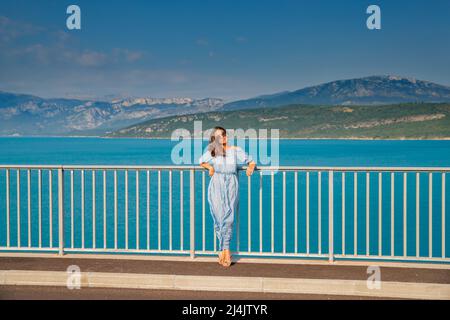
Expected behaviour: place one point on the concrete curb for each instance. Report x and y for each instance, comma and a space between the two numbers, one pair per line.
389, 289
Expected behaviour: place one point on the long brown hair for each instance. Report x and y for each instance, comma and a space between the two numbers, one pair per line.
215, 147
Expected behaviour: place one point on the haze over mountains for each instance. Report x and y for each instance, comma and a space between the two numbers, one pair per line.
22, 114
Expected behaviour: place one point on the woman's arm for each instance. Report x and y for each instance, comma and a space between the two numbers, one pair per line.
244, 157
209, 167
205, 162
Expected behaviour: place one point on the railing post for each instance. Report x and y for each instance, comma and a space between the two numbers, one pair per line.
192, 213
61, 211
330, 217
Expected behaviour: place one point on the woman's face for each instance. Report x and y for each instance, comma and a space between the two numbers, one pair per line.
221, 137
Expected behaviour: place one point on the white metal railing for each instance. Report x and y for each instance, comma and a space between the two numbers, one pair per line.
314, 212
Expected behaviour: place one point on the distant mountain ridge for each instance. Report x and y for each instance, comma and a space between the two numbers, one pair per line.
373, 90
22, 114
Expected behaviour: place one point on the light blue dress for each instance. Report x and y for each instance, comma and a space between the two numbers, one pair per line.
223, 191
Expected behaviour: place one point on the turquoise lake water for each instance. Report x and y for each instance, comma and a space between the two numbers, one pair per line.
94, 151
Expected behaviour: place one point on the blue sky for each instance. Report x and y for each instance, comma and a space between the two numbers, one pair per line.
228, 49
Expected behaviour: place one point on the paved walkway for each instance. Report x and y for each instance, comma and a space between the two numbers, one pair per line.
262, 280
58, 293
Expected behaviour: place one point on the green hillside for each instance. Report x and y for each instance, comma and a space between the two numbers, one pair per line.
399, 121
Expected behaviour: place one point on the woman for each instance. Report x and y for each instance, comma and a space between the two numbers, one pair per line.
223, 191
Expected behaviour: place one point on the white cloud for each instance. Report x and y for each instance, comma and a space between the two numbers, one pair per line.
119, 55
91, 59
202, 42
54, 46
241, 39
11, 29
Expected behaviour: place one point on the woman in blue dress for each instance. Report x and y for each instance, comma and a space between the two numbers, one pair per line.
221, 161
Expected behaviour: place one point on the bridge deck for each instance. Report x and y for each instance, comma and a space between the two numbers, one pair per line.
257, 280
202, 268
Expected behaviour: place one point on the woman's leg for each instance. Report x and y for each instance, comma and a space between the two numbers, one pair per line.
227, 234
227, 230
233, 199
222, 197
216, 209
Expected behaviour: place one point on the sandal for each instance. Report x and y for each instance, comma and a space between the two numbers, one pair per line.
227, 262
221, 258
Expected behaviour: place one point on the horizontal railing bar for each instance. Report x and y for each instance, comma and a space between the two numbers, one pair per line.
338, 256
270, 254
274, 254
30, 166
237, 254
397, 258
260, 168
87, 250
350, 169
243, 253
127, 251
30, 249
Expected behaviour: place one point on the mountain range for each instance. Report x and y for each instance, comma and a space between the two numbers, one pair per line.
30, 115
22, 114
374, 90
393, 121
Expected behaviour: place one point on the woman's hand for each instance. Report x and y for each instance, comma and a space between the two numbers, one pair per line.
250, 169
208, 167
